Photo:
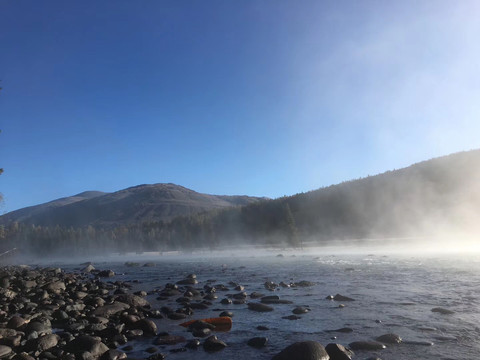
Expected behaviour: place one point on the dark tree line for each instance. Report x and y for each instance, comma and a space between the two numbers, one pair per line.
409, 202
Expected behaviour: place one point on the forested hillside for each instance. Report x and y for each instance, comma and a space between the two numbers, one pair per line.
426, 199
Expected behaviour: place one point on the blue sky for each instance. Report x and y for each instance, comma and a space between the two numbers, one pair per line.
263, 98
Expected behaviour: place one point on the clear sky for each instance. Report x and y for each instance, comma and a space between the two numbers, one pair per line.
263, 98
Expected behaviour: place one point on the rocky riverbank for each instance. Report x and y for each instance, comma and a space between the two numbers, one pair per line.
47, 313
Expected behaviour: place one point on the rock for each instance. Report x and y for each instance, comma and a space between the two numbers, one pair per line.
7, 333
226, 301
5, 351
442, 311
46, 342
303, 350
270, 285
106, 273
212, 343
169, 340
240, 295
87, 269
338, 352
256, 295
39, 327
201, 332
265, 300
156, 357
132, 300
300, 310
113, 354
108, 310
304, 283
56, 287
418, 342
193, 344
151, 349
366, 345
259, 307
262, 328
339, 297
226, 313
199, 324
188, 281
86, 343
15, 322
344, 330
257, 342
291, 317
147, 325
176, 316
23, 356
389, 339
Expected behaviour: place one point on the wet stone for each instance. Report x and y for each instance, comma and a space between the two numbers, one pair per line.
193, 344
442, 311
339, 297
258, 342
389, 339
338, 352
303, 350
366, 345
213, 344
169, 340
300, 310
259, 307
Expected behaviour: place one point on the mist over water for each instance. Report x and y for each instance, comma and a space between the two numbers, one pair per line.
394, 293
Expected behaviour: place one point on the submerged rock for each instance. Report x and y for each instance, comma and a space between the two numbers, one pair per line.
259, 307
258, 342
389, 339
339, 297
366, 345
442, 311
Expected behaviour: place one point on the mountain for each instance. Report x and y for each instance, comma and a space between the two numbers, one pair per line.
138, 204
431, 200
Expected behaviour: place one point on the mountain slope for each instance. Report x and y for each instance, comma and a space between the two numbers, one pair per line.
143, 203
24, 214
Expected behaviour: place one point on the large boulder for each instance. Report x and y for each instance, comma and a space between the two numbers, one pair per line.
303, 350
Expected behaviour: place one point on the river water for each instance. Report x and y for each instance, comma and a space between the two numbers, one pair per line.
393, 294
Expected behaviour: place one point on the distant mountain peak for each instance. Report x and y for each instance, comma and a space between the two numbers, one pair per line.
136, 204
